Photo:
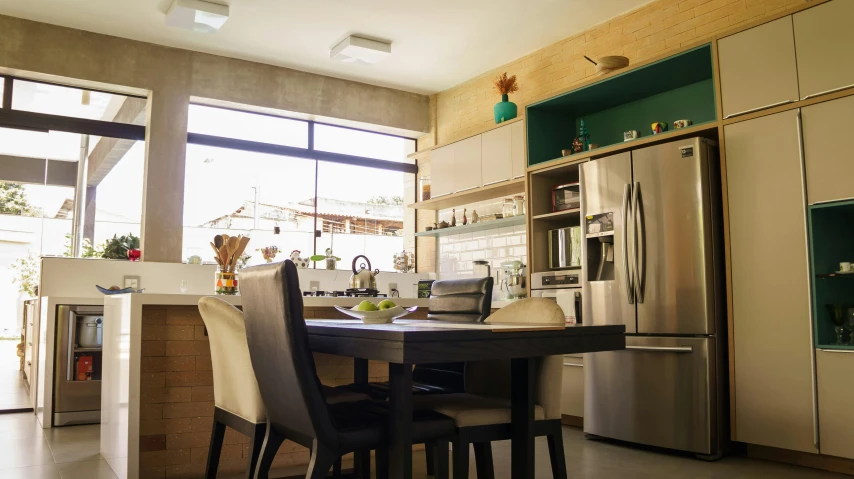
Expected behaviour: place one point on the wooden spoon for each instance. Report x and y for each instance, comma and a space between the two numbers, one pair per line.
216, 254
218, 242
244, 241
232, 245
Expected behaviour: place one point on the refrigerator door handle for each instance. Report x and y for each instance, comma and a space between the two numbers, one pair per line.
662, 349
626, 271
640, 243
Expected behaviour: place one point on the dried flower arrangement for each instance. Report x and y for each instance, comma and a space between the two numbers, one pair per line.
504, 85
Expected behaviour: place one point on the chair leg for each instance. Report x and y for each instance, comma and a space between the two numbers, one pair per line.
362, 463
461, 459
256, 443
483, 460
556, 454
272, 441
382, 462
217, 436
440, 459
336, 468
429, 453
321, 460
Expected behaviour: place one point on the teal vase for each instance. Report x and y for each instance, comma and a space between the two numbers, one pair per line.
504, 110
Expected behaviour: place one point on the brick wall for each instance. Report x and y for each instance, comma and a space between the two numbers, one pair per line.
654, 29
177, 401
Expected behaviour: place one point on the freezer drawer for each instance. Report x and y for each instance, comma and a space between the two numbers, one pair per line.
656, 392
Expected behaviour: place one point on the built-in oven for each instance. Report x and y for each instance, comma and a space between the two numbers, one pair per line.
562, 287
77, 368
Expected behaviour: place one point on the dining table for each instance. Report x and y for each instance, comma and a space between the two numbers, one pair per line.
405, 343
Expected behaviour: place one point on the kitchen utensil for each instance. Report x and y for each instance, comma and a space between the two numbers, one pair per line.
845, 267
363, 278
216, 254
218, 242
377, 317
514, 282
481, 268
610, 63
108, 291
90, 332
244, 242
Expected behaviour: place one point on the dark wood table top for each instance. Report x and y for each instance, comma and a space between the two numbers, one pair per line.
419, 342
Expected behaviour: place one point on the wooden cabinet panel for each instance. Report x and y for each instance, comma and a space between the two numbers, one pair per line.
467, 164
572, 393
824, 41
834, 402
828, 151
518, 148
442, 171
496, 150
758, 67
771, 310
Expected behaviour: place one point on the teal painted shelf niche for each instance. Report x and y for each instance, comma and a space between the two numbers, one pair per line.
831, 242
680, 87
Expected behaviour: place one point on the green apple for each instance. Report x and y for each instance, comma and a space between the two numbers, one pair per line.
386, 304
366, 306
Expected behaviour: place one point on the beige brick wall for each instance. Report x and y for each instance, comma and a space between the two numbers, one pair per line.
654, 29
177, 402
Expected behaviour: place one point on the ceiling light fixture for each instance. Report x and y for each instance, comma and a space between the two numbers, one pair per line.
197, 15
355, 49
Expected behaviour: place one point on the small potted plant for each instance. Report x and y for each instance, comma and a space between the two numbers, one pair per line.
505, 109
269, 253
331, 261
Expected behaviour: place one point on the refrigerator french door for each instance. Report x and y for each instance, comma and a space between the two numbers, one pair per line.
656, 210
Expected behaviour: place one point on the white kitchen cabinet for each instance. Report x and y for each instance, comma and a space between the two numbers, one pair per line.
496, 155
770, 284
442, 171
827, 149
517, 149
835, 411
572, 393
824, 41
758, 68
466, 165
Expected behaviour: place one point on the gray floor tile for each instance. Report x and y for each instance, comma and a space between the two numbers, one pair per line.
86, 470
27, 451
19, 426
74, 443
48, 471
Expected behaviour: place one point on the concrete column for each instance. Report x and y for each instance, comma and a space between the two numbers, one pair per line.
89, 217
163, 192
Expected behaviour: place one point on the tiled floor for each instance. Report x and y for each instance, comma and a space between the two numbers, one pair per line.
13, 391
28, 452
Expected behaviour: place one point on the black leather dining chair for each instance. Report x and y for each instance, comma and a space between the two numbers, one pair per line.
284, 367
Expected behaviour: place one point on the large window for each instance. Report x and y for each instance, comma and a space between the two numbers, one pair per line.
294, 185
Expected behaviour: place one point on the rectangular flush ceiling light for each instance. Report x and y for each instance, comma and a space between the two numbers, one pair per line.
196, 15
357, 49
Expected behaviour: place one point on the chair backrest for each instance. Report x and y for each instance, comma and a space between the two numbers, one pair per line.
278, 345
492, 378
235, 387
461, 300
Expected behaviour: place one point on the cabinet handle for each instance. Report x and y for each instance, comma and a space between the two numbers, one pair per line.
758, 108
470, 188
574, 365
811, 95
836, 350
662, 349
490, 183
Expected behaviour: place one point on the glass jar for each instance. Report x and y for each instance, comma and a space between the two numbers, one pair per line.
519, 205
225, 282
507, 208
424, 188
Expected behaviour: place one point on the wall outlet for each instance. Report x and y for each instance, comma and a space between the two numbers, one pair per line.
392, 287
131, 282
314, 285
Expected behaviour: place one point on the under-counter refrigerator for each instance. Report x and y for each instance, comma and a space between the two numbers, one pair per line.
653, 244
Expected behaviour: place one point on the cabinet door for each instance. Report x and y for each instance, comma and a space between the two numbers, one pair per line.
834, 402
442, 171
496, 151
824, 40
517, 149
758, 68
572, 393
828, 150
770, 288
467, 164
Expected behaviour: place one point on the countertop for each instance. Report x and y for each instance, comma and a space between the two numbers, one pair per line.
308, 301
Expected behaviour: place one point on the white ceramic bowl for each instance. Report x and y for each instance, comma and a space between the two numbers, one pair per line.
378, 317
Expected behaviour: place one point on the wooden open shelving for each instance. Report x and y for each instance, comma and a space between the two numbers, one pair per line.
496, 190
558, 214
471, 228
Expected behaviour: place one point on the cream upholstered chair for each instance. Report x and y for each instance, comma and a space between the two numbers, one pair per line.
482, 413
237, 399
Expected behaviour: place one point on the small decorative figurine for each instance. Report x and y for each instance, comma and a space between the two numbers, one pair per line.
585, 137
465, 220
269, 253
474, 216
301, 263
681, 124
577, 145
454, 217
630, 135
659, 127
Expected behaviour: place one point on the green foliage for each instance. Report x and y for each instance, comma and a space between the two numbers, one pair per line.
386, 201
117, 247
86, 250
26, 273
13, 200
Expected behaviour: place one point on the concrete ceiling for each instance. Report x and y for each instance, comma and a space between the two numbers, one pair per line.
435, 44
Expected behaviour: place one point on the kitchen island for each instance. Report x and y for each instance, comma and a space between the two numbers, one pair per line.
157, 387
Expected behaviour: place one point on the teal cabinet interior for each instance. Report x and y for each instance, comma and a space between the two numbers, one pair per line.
831, 242
680, 87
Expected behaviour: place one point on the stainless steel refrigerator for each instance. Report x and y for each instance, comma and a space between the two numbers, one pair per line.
653, 246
